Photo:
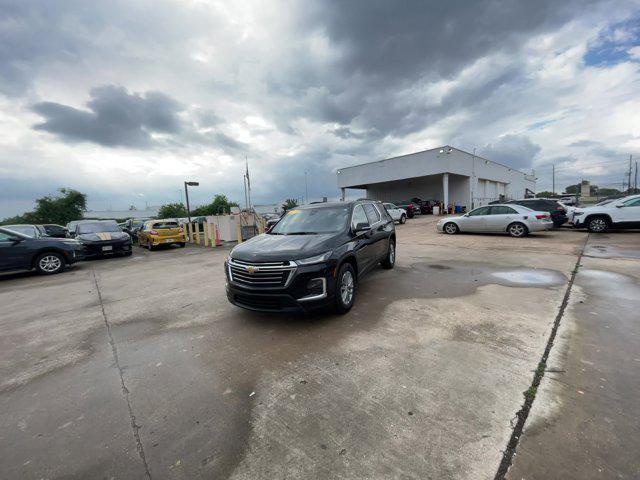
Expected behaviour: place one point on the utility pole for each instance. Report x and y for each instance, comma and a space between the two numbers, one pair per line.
635, 182
473, 178
554, 178
630, 157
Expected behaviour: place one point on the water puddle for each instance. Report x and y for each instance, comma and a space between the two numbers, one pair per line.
529, 277
608, 251
609, 284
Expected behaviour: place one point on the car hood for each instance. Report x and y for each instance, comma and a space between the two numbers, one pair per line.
267, 247
102, 236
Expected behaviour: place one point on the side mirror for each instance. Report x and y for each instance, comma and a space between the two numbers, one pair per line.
362, 228
16, 240
619, 206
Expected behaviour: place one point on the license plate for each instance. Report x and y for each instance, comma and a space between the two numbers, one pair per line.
169, 240
107, 249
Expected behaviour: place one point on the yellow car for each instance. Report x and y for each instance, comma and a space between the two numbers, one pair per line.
161, 232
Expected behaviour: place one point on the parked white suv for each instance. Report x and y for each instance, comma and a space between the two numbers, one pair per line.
620, 213
398, 214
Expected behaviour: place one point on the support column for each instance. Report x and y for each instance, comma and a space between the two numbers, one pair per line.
445, 190
342, 196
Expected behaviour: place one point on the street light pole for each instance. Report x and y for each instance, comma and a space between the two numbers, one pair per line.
186, 194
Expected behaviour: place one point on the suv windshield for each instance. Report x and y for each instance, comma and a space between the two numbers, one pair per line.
308, 221
97, 228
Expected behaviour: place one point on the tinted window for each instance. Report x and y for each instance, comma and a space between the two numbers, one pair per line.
24, 229
501, 210
165, 225
359, 217
635, 202
479, 211
312, 220
4, 237
372, 213
97, 227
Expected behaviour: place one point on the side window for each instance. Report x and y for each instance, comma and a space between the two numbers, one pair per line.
372, 213
4, 237
502, 210
358, 216
479, 211
632, 203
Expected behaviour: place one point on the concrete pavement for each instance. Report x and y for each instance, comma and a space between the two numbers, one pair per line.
139, 368
585, 421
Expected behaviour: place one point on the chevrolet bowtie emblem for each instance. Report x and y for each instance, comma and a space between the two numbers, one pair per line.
251, 269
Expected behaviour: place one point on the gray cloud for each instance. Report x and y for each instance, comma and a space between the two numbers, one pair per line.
114, 117
516, 151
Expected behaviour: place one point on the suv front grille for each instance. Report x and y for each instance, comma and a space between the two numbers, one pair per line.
262, 274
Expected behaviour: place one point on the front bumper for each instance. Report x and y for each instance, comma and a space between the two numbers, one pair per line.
73, 256
289, 299
106, 248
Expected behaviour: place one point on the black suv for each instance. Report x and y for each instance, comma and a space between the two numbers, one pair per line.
44, 254
556, 210
312, 258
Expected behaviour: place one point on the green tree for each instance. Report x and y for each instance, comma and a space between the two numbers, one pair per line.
60, 209
289, 203
607, 192
545, 194
573, 189
172, 210
219, 206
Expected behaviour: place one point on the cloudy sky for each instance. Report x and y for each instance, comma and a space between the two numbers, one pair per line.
126, 100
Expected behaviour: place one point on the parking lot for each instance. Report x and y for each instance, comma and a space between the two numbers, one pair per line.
139, 367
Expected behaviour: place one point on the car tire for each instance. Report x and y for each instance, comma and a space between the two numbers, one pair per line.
557, 224
517, 230
49, 263
390, 259
403, 219
450, 228
182, 244
345, 290
128, 254
598, 224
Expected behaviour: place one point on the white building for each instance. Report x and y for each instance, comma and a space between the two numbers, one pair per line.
445, 174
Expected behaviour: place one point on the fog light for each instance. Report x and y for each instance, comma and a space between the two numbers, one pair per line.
316, 289
315, 286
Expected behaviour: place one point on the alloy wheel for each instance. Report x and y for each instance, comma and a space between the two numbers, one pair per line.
517, 230
50, 263
450, 228
346, 288
597, 225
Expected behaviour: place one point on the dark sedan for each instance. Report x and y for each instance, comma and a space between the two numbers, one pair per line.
102, 238
46, 255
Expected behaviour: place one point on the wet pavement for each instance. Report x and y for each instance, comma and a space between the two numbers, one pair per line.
139, 368
585, 421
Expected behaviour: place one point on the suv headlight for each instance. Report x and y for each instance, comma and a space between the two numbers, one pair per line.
317, 259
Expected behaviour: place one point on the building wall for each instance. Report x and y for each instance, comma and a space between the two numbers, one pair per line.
491, 178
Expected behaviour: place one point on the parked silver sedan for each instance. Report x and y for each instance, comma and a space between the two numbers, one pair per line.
515, 220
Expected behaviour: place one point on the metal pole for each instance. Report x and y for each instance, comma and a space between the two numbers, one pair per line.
554, 179
186, 194
635, 182
306, 189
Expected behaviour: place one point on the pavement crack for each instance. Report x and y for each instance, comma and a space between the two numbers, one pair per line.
125, 391
530, 394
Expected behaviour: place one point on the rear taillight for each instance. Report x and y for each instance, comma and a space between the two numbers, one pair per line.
542, 217
153, 232
560, 208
